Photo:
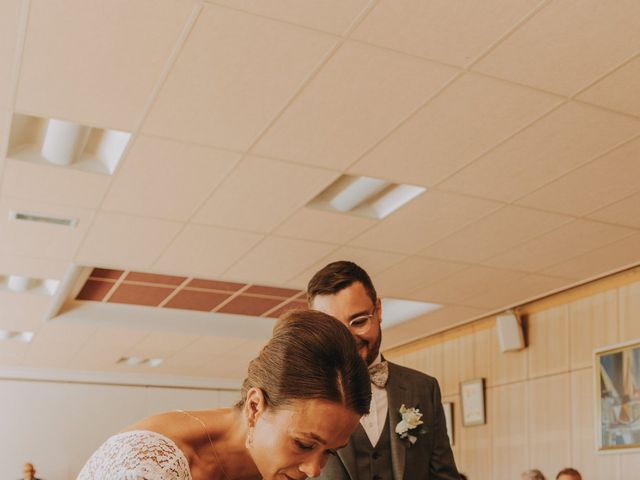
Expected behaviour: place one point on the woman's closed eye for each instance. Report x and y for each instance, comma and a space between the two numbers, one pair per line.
304, 446
310, 446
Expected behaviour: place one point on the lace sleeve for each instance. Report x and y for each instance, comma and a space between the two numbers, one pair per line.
137, 455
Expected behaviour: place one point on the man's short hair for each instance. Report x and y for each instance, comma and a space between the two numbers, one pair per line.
569, 471
533, 474
336, 277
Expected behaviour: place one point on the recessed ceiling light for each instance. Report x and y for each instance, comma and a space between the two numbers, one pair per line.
154, 362
365, 196
66, 144
140, 362
23, 284
395, 311
10, 335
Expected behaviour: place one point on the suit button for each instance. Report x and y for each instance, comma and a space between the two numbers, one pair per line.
375, 455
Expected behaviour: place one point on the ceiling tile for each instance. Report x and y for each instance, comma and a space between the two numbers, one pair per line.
293, 305
429, 324
140, 295
166, 280
568, 241
23, 311
618, 90
567, 45
48, 183
466, 284
249, 305
521, 290
10, 12
161, 344
95, 290
621, 254
203, 350
359, 95
451, 32
123, 240
412, 273
106, 273
32, 267
625, 212
39, 240
232, 365
105, 346
428, 218
105, 78
260, 193
67, 336
206, 251
373, 261
272, 291
323, 226
166, 179
215, 285
55, 344
472, 115
251, 68
275, 260
5, 121
333, 16
197, 300
603, 181
493, 234
551, 147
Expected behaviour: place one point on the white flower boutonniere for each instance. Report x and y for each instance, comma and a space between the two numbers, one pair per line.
410, 421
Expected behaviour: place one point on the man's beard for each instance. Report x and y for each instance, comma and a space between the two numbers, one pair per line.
374, 349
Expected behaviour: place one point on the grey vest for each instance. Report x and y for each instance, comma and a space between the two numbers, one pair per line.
373, 463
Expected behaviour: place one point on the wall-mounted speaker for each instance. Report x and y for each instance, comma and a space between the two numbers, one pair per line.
509, 330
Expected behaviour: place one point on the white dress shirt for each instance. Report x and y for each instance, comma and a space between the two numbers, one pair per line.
373, 423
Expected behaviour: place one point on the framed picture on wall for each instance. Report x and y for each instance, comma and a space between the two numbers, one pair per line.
472, 402
448, 418
617, 397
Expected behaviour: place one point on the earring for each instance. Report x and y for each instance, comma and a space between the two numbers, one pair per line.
249, 441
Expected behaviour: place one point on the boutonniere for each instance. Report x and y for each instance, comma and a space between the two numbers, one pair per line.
409, 422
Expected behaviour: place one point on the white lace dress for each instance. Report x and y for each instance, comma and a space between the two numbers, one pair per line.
137, 455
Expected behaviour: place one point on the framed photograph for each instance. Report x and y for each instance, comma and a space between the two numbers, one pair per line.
472, 402
617, 397
448, 418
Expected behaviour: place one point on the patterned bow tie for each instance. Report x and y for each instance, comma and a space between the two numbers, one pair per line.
379, 374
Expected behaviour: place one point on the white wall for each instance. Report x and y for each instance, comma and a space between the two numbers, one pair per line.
57, 426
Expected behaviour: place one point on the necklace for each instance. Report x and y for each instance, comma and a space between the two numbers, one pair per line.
215, 452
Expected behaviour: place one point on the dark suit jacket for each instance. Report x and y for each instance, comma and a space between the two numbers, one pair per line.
430, 458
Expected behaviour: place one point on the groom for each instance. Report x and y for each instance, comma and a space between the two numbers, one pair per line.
380, 449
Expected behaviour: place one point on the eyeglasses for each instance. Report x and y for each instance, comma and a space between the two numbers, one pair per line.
362, 324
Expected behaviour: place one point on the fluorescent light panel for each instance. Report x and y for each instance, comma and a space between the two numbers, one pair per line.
365, 196
396, 311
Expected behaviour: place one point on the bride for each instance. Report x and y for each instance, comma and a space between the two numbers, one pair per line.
303, 396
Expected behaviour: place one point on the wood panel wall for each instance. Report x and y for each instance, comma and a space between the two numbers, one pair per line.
540, 400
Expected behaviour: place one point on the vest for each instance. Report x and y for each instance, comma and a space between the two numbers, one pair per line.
373, 463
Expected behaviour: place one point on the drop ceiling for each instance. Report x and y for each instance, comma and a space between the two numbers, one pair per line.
521, 118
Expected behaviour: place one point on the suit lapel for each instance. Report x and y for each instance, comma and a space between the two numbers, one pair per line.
398, 393
347, 456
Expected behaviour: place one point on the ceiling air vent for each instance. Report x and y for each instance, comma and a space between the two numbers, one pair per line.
34, 217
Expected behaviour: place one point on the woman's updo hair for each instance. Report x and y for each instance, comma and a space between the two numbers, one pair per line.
310, 356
